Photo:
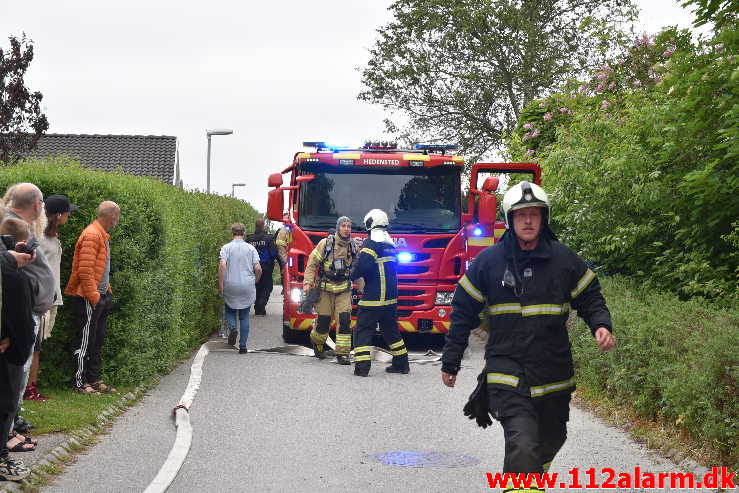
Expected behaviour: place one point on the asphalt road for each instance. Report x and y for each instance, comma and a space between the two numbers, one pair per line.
272, 421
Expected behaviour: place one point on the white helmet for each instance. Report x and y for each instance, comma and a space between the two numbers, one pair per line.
525, 194
375, 218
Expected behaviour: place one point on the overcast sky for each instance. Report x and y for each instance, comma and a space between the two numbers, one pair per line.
276, 72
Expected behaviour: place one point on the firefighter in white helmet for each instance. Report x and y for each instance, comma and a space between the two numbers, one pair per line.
379, 304
527, 283
332, 260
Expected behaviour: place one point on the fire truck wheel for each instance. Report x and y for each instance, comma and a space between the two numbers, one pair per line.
291, 336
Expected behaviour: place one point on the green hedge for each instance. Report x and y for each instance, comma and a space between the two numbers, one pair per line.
675, 360
163, 267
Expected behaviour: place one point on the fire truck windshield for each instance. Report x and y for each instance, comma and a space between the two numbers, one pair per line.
415, 199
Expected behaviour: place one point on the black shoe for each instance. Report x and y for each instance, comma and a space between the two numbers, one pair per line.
394, 369
343, 359
319, 350
232, 337
21, 425
243, 350
361, 372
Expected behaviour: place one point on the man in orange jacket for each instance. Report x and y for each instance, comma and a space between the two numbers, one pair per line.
89, 283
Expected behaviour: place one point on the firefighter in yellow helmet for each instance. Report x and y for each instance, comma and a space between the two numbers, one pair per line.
527, 283
329, 266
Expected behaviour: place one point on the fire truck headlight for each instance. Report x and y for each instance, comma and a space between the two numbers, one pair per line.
404, 257
477, 231
444, 297
296, 295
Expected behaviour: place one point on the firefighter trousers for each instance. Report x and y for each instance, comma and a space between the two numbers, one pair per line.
367, 320
534, 430
339, 307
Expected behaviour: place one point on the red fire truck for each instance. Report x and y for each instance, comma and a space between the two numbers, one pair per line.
438, 224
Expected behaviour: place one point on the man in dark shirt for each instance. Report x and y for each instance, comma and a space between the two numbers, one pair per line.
265, 244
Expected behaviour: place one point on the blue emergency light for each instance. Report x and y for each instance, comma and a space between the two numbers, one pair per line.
440, 148
325, 146
404, 257
477, 231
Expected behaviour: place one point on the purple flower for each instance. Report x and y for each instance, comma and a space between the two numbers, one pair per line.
526, 137
669, 51
529, 153
584, 88
535, 133
621, 61
605, 104
611, 86
547, 116
601, 76
563, 110
542, 105
528, 126
608, 115
601, 87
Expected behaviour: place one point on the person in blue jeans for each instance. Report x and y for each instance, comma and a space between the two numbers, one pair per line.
238, 273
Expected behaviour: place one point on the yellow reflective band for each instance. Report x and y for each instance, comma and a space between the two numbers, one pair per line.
583, 283
504, 379
540, 390
377, 303
280, 242
317, 255
471, 289
504, 308
529, 310
303, 155
458, 159
416, 157
344, 337
407, 326
361, 349
346, 155
399, 352
369, 251
363, 358
546, 466
396, 345
385, 259
381, 269
498, 232
481, 241
335, 288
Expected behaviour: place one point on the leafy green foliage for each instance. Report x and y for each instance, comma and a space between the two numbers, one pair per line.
164, 255
462, 70
720, 12
641, 162
674, 360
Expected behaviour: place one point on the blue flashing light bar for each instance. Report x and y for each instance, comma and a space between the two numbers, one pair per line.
404, 257
477, 231
325, 146
440, 148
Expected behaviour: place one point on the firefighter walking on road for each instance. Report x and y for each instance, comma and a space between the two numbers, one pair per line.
527, 283
332, 260
265, 245
379, 304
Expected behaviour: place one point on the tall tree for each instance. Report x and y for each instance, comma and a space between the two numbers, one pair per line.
462, 70
21, 120
720, 12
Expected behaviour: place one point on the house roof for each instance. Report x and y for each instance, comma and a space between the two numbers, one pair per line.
143, 155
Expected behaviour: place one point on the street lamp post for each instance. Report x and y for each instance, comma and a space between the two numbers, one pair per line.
234, 185
215, 131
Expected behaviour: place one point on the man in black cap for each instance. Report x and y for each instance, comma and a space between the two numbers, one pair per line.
265, 244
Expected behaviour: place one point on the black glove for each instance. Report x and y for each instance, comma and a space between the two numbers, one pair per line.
477, 407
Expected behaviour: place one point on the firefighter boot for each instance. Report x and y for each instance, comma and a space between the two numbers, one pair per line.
362, 360
319, 334
344, 339
399, 365
400, 358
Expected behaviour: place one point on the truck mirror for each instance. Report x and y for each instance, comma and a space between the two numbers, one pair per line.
274, 180
487, 207
275, 204
305, 178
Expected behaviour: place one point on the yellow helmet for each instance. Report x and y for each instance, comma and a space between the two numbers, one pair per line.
525, 194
